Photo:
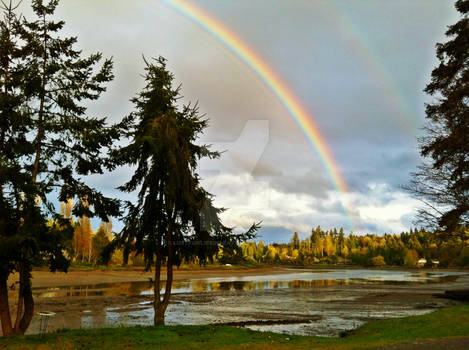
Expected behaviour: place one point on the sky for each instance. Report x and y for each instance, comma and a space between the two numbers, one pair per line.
356, 67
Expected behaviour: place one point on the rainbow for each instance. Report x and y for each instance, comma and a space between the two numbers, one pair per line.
283, 93
370, 60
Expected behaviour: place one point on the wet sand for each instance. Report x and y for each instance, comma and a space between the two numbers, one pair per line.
325, 307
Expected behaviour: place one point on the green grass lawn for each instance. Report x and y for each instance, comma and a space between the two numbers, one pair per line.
443, 323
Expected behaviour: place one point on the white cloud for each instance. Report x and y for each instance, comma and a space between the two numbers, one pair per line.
387, 209
250, 200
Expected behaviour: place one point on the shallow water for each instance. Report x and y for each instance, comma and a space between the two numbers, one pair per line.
308, 302
293, 279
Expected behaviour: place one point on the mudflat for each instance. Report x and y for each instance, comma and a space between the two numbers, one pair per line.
321, 302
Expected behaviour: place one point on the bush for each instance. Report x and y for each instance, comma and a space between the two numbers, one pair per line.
378, 261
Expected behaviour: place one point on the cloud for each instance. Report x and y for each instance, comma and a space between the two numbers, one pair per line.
384, 209
265, 169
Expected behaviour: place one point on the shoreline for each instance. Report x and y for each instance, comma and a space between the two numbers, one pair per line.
44, 279
80, 277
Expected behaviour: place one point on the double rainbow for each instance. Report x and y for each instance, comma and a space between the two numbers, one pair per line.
241, 50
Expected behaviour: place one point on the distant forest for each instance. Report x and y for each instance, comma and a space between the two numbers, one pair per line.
334, 247
329, 247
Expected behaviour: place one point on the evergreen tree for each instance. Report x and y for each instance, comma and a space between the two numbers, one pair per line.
442, 183
317, 242
174, 218
295, 241
13, 178
100, 242
340, 241
47, 143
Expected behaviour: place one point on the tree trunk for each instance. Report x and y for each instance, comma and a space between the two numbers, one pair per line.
159, 305
23, 321
5, 317
19, 307
25, 302
28, 303
158, 317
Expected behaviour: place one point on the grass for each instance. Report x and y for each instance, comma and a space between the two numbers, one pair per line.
441, 324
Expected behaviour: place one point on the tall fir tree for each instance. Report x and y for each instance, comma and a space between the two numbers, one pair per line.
442, 182
174, 217
48, 144
13, 147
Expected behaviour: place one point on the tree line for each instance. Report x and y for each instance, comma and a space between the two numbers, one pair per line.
333, 247
329, 247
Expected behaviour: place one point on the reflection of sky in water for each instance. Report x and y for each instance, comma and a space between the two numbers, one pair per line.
293, 279
371, 275
321, 327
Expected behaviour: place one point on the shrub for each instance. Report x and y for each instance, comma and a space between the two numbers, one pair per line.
378, 261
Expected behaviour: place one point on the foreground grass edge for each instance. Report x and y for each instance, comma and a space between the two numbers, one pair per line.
440, 324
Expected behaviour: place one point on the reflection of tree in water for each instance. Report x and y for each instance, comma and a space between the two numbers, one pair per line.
317, 283
234, 285
225, 286
238, 285
127, 289
136, 288
313, 283
272, 284
199, 286
252, 285
196, 286
215, 286
107, 289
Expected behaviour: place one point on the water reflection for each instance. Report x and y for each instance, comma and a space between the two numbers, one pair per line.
296, 280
